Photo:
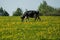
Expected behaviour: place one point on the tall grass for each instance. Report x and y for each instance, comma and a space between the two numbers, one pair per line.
11, 28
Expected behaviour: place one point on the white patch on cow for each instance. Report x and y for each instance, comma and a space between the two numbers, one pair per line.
25, 17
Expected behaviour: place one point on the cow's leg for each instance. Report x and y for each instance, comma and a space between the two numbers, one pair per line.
35, 18
39, 18
27, 18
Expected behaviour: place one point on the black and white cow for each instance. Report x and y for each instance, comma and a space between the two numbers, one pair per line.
32, 14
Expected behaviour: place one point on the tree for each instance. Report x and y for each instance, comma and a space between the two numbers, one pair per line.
57, 12
45, 9
18, 12
3, 12
42, 7
6, 13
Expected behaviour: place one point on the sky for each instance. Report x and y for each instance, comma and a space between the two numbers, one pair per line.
11, 5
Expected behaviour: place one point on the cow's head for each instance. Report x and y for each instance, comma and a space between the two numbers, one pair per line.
22, 18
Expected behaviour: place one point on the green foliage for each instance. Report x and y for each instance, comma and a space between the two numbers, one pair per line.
1, 9
3, 12
6, 13
47, 10
57, 12
18, 12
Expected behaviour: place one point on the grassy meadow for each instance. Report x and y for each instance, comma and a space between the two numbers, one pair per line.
11, 28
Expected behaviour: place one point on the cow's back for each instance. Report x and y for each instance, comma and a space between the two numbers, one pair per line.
31, 13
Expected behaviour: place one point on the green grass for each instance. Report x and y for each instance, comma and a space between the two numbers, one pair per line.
11, 28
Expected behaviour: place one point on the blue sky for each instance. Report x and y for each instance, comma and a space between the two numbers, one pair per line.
11, 5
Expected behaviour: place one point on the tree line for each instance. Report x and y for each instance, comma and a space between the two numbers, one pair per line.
43, 8
47, 10
3, 12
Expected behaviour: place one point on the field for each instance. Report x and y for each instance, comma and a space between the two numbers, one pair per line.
11, 28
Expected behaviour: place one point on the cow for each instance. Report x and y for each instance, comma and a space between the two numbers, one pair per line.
32, 14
